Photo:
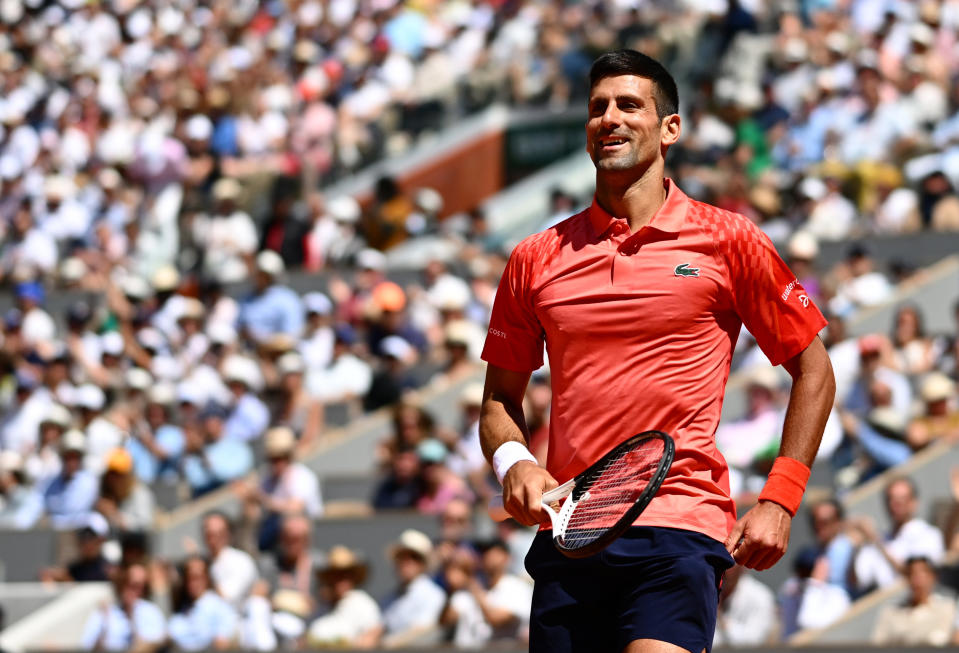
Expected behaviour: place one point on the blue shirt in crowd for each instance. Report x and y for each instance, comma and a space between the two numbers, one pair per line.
208, 619
277, 309
70, 501
114, 630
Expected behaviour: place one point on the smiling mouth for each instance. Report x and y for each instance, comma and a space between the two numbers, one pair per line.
608, 143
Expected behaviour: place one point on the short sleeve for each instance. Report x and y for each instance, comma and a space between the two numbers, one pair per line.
768, 298
514, 340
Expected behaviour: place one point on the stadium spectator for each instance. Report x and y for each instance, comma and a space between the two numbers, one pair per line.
462, 614
156, 441
249, 416
125, 502
21, 505
292, 567
295, 407
925, 618
939, 418
132, 622
210, 458
912, 349
402, 486
348, 376
316, 347
90, 564
287, 487
807, 599
440, 484
879, 560
43, 462
411, 613
272, 308
201, 619
833, 543
747, 611
70, 496
504, 599
232, 571
353, 618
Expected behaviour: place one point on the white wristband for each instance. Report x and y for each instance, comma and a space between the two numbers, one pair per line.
507, 455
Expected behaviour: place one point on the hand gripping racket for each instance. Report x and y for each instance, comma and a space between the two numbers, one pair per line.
605, 499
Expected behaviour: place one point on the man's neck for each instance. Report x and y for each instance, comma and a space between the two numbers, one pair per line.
636, 200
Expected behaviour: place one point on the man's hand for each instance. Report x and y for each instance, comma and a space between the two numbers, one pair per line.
760, 538
523, 488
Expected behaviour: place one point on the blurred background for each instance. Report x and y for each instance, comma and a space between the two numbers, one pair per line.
248, 252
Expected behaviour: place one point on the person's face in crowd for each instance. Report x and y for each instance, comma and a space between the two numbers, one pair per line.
408, 565
57, 372
760, 398
190, 326
922, 580
237, 389
825, 522
295, 538
213, 427
156, 415
197, 578
22, 221
869, 83
188, 411
89, 545
907, 325
118, 483
133, 586
216, 534
495, 561
338, 584
406, 466
50, 434
869, 361
455, 520
880, 394
459, 570
72, 461
292, 382
900, 502
623, 130
279, 465
261, 280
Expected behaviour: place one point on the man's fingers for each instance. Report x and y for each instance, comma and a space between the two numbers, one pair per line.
733, 541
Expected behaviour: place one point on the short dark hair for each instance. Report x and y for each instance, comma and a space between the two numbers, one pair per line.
631, 62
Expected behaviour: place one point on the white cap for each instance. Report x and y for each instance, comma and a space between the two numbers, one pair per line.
134, 286
317, 302
472, 394
370, 259
290, 363
73, 440
189, 392
221, 333
795, 50
415, 541
244, 370
227, 189
449, 293
150, 338
813, 188
458, 332
764, 376
165, 278
397, 347
803, 246
198, 128
57, 414
922, 34
138, 378
191, 308
73, 269
429, 201
163, 394
270, 263
279, 441
111, 343
344, 209
936, 387
90, 396
10, 461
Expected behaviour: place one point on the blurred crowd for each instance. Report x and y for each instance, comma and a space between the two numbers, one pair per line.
161, 167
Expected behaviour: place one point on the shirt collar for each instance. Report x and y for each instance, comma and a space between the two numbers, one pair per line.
668, 218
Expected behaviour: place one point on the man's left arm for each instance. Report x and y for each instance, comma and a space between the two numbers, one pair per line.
761, 536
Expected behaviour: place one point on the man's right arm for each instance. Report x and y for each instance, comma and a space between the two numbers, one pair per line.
502, 421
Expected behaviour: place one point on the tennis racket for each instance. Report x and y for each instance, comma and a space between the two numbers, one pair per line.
605, 499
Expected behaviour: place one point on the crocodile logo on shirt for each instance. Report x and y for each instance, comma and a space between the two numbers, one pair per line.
683, 270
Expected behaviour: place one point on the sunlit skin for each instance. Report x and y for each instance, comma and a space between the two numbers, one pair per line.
627, 142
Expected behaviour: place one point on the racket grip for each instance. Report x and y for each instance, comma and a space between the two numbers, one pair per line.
496, 509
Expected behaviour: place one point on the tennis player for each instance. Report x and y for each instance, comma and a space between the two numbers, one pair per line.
639, 300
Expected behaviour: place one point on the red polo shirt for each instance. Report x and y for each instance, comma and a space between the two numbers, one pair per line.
640, 330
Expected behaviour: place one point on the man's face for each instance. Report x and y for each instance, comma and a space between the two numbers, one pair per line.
921, 578
623, 131
825, 522
216, 534
900, 502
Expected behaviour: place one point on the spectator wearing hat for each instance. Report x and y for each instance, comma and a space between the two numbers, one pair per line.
332, 239
127, 504
287, 487
385, 315
131, 622
90, 565
925, 618
38, 326
412, 612
348, 376
227, 235
272, 308
802, 251
43, 462
316, 347
296, 408
939, 418
213, 459
25, 245
232, 571
248, 416
102, 434
394, 376
69, 497
858, 283
353, 619
156, 443
21, 506
202, 619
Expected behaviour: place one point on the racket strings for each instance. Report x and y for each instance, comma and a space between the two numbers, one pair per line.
615, 488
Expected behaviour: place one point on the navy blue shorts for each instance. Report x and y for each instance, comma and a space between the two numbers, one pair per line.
651, 583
